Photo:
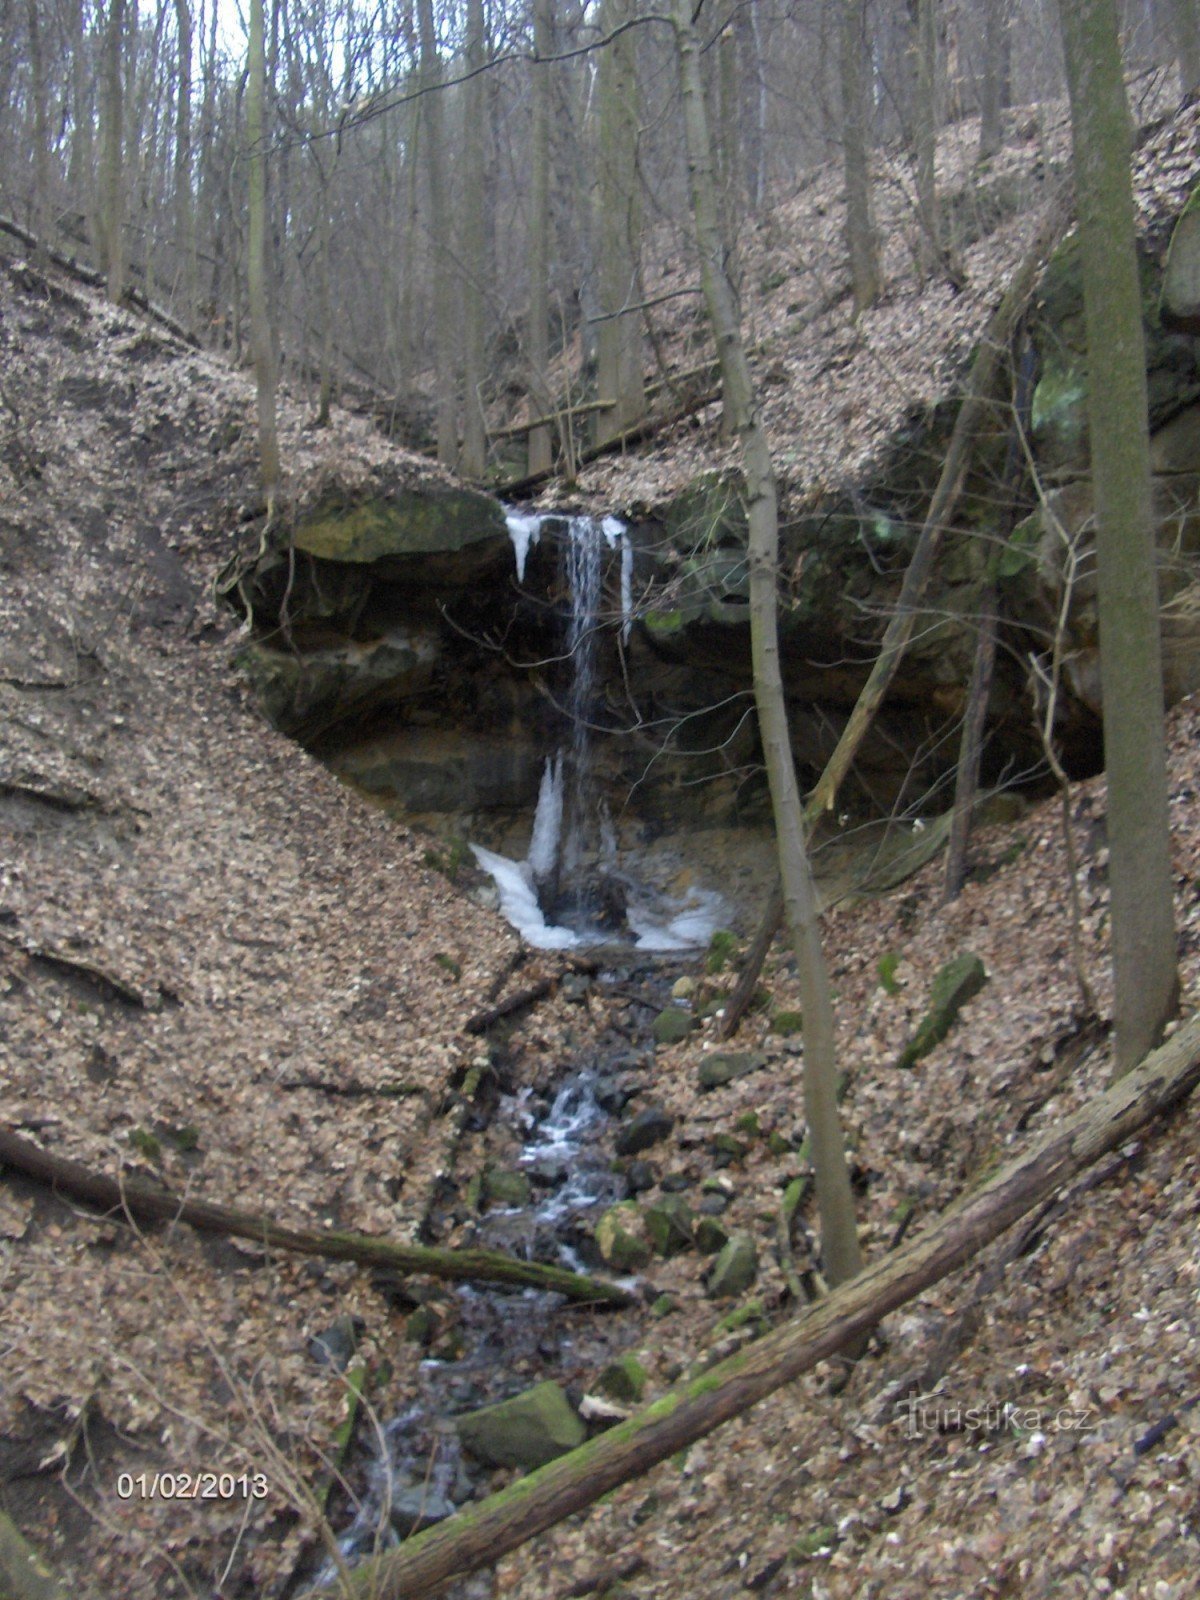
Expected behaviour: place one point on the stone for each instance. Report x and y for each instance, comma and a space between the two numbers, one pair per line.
619, 1237
417, 1507
726, 1149
612, 1095
639, 1176
501, 1188
650, 1127
684, 988
711, 1237
337, 1345
723, 1066
675, 1183
431, 521
672, 1025
421, 1326
526, 1431
714, 1204
668, 1224
624, 1380
957, 982
735, 1269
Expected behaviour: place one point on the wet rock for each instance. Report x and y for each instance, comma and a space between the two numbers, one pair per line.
337, 1345
639, 1176
735, 1268
419, 1507
624, 1380
612, 1095
668, 1224
526, 1431
713, 1204
672, 1025
503, 1188
711, 1237
648, 1128
958, 981
723, 1066
619, 1237
675, 1183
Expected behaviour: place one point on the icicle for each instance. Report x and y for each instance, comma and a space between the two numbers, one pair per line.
547, 821
523, 531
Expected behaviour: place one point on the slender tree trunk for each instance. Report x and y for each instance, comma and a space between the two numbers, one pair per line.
995, 79
861, 240
40, 209
112, 182
185, 203
1185, 24
928, 207
445, 276
540, 439
480, 1534
839, 1236
1146, 981
618, 232
257, 270
970, 750
474, 247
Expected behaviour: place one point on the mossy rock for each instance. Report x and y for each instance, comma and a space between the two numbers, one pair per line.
787, 1023
668, 1224
723, 1066
527, 1431
735, 1269
406, 522
958, 981
624, 1380
711, 1237
502, 1188
672, 1025
651, 1126
619, 1237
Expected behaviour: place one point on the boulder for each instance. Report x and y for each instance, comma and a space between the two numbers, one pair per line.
624, 1380
526, 1431
957, 982
1180, 303
723, 1066
668, 1224
735, 1268
650, 1127
672, 1025
619, 1237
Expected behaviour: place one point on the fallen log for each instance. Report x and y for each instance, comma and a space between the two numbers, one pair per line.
977, 405
152, 1202
483, 1020
477, 1537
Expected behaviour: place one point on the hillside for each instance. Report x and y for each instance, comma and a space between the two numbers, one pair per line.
223, 969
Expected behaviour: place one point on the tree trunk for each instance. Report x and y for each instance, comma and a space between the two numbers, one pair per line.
112, 184
152, 1202
185, 205
995, 79
477, 1537
257, 265
929, 239
474, 247
1146, 979
538, 341
839, 1236
861, 240
618, 227
1185, 24
970, 750
445, 276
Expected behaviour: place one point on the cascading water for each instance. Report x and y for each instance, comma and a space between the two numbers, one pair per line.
569, 889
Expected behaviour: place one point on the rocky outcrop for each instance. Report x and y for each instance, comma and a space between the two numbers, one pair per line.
394, 627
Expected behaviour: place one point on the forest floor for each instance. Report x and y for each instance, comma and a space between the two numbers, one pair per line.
204, 940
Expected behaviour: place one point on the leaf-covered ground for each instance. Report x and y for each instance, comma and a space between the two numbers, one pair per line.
203, 938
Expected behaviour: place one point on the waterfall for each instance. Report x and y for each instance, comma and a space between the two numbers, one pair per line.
568, 891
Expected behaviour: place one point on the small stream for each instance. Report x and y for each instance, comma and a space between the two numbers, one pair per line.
510, 1339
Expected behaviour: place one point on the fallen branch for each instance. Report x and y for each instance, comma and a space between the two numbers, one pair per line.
152, 1202
478, 1537
483, 1020
975, 408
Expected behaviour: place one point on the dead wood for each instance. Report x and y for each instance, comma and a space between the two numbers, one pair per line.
477, 1537
521, 1001
153, 1202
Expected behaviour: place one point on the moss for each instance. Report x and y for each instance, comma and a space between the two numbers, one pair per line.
405, 523
448, 964
787, 1023
722, 948
664, 622
886, 968
144, 1142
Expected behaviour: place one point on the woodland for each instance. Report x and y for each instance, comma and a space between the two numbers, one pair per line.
599, 771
